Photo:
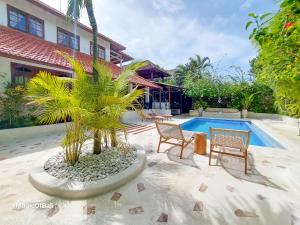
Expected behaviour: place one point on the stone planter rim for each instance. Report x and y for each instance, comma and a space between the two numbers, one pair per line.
67, 189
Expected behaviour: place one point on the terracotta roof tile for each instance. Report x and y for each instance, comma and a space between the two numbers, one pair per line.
22, 46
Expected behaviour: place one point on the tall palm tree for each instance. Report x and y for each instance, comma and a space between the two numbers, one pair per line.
73, 12
196, 68
199, 66
91, 106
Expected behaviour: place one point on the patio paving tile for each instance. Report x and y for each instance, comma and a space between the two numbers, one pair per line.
163, 218
89, 210
141, 187
198, 206
243, 213
137, 210
116, 196
52, 211
203, 187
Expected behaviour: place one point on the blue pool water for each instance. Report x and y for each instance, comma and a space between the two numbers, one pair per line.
257, 136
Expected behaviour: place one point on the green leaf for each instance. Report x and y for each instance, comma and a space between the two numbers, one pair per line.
248, 24
253, 15
263, 16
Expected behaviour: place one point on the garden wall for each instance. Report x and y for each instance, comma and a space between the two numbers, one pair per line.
289, 120
26, 132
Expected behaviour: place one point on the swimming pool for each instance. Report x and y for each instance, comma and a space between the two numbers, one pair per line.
258, 137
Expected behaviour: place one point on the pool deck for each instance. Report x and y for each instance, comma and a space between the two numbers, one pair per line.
169, 190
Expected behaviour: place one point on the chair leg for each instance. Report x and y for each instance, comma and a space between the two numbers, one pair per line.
246, 159
210, 153
181, 150
159, 145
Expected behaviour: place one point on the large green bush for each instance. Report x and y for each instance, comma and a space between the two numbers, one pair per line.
278, 63
14, 113
226, 94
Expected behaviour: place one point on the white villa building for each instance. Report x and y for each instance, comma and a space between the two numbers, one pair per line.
31, 32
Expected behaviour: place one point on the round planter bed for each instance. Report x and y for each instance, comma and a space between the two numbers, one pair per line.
69, 189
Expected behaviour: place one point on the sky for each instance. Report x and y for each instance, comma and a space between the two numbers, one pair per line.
169, 32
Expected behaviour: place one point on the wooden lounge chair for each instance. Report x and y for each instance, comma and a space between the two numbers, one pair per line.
166, 116
169, 131
229, 142
145, 116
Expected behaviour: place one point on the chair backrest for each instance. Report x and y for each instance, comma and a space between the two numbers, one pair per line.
230, 138
169, 130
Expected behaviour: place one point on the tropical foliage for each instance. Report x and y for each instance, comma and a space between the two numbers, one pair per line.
215, 91
91, 106
11, 105
196, 68
278, 63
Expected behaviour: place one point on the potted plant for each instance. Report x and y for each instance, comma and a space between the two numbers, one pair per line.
198, 107
246, 102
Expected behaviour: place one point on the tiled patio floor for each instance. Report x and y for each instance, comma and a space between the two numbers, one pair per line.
169, 191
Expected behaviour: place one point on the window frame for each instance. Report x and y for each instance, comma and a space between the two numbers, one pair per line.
99, 47
70, 34
27, 18
34, 71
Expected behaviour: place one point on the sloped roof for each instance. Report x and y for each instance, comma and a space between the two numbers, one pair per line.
22, 46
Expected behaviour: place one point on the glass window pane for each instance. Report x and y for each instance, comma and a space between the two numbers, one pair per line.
74, 43
101, 53
35, 27
17, 20
63, 39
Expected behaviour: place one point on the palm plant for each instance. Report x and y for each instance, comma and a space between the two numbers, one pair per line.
91, 106
248, 99
196, 68
199, 66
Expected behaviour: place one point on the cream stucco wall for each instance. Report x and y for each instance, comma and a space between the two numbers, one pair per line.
5, 72
51, 23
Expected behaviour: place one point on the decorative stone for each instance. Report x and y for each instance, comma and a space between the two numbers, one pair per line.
140, 187
243, 213
163, 218
116, 196
203, 187
52, 211
91, 167
198, 206
137, 210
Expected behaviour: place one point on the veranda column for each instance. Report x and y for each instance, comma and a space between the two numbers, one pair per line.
147, 99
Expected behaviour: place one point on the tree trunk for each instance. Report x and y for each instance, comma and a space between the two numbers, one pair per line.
113, 138
97, 142
93, 23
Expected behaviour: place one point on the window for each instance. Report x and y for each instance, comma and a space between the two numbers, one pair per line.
24, 22
68, 39
101, 51
21, 73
